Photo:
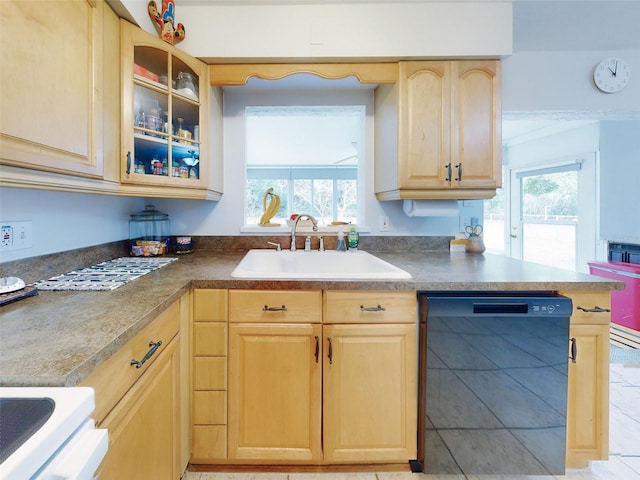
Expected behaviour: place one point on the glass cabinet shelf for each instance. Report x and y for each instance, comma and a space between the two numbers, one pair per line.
163, 107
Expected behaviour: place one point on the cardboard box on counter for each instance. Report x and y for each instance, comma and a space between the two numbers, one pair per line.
458, 245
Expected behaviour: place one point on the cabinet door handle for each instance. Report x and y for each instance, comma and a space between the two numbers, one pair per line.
154, 346
595, 309
330, 354
449, 173
574, 350
377, 308
267, 308
317, 354
128, 162
459, 167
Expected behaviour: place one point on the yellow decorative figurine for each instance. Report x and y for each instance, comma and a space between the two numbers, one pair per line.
271, 210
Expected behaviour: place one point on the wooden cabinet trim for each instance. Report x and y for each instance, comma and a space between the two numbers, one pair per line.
239, 74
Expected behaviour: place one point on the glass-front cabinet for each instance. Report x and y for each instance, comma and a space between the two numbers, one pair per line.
164, 114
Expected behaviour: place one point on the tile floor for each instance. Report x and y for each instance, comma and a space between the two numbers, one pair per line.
624, 447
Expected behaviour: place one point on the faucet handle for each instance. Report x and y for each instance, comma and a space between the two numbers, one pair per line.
277, 245
307, 244
321, 247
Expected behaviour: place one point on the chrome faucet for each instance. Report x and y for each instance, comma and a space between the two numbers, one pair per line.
295, 225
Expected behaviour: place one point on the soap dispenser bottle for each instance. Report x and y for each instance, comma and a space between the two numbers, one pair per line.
341, 246
353, 238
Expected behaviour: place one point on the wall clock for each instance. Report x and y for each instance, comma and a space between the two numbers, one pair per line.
611, 75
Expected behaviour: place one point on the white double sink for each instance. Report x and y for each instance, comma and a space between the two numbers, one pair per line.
315, 265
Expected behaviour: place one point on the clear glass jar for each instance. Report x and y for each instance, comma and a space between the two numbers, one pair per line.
149, 233
186, 85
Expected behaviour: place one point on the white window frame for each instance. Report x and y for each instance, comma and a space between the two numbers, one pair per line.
235, 101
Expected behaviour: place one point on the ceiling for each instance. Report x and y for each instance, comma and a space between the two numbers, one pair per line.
538, 25
545, 25
570, 25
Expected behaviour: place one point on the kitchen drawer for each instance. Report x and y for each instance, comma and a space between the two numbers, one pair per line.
209, 442
209, 305
370, 307
209, 338
209, 408
275, 306
590, 301
210, 373
116, 375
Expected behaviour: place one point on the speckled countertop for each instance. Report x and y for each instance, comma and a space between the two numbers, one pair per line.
58, 338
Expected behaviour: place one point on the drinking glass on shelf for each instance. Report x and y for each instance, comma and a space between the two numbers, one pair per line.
140, 120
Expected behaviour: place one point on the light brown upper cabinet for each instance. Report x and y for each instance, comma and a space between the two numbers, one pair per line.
165, 119
437, 131
53, 86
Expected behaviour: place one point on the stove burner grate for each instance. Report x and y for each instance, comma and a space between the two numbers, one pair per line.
104, 276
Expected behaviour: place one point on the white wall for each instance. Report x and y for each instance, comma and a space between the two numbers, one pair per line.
552, 148
563, 81
339, 31
66, 221
620, 181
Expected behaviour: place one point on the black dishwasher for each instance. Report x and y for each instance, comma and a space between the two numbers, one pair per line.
493, 382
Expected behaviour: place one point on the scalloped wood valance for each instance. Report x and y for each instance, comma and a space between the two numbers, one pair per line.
239, 74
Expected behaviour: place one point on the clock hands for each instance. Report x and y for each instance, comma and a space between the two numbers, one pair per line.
613, 72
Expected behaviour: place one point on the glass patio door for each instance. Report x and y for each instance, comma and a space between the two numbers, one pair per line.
544, 218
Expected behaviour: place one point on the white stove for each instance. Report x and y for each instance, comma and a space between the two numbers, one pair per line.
105, 276
47, 434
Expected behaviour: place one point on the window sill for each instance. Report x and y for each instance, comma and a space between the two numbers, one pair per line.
284, 229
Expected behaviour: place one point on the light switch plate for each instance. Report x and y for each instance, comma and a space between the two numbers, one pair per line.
384, 223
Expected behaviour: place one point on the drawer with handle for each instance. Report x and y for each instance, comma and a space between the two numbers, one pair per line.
275, 306
590, 307
115, 376
370, 307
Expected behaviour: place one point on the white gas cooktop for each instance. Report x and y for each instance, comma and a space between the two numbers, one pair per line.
105, 276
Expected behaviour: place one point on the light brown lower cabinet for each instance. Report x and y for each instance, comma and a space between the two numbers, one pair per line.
209, 375
588, 389
369, 393
144, 426
146, 409
275, 393
303, 392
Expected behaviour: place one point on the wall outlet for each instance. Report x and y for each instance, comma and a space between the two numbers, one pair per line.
464, 222
7, 236
383, 223
16, 236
